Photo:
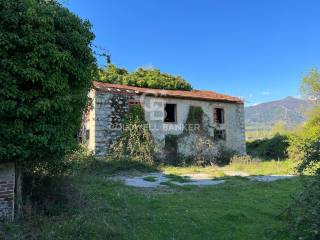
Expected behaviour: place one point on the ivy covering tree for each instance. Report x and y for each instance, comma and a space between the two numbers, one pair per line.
46, 70
149, 78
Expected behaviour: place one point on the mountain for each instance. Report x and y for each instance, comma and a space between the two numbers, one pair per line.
290, 110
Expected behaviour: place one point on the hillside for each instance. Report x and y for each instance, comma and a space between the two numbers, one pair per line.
289, 110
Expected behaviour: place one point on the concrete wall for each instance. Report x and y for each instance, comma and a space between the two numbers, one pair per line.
7, 185
109, 108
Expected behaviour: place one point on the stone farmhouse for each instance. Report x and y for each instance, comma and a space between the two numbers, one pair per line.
166, 111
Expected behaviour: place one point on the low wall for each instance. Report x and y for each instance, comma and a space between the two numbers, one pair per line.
7, 185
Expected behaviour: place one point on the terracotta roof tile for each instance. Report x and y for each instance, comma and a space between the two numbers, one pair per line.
194, 94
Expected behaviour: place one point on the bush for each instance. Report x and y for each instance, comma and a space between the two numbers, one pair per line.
304, 213
149, 78
243, 159
46, 70
224, 156
272, 148
136, 142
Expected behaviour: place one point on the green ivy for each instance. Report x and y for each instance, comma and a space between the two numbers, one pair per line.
149, 78
46, 70
136, 142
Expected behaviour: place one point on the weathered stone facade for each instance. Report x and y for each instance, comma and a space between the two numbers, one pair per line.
7, 185
105, 119
109, 108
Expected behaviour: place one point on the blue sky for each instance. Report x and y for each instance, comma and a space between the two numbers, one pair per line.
256, 49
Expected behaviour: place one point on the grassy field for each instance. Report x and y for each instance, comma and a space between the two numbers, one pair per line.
102, 209
286, 167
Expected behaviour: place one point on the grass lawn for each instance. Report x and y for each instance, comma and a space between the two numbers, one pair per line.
286, 167
103, 209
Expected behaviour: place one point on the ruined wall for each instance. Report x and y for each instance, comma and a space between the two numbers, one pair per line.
106, 118
109, 108
234, 122
7, 185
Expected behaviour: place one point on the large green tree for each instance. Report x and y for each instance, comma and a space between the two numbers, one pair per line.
46, 69
305, 147
150, 78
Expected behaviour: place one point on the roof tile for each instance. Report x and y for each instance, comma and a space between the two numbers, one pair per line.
193, 94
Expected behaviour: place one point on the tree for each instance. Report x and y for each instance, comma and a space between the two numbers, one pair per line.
150, 78
46, 70
305, 147
279, 128
310, 86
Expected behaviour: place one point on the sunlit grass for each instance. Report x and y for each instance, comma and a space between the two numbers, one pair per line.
284, 167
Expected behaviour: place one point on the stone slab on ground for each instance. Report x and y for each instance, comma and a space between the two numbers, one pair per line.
158, 178
162, 178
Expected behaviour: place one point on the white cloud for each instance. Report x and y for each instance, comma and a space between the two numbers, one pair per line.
265, 93
255, 104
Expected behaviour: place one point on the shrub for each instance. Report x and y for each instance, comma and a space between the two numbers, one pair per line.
224, 156
136, 142
46, 70
150, 78
272, 148
243, 159
304, 213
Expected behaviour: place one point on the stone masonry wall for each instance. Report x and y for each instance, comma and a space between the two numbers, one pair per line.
110, 110
7, 185
234, 122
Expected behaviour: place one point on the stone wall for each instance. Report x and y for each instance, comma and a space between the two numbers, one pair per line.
7, 185
234, 122
109, 108
109, 111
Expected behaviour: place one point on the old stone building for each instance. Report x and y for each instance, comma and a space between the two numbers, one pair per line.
166, 111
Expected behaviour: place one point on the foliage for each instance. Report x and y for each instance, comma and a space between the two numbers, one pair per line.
203, 151
136, 142
310, 86
46, 70
195, 115
272, 148
149, 78
224, 156
243, 159
304, 213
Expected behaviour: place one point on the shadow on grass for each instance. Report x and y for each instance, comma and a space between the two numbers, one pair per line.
110, 167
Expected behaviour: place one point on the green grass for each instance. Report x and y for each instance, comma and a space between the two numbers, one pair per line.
177, 178
284, 167
102, 209
272, 167
211, 171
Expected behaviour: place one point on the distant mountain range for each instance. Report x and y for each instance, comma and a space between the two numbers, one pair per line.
290, 110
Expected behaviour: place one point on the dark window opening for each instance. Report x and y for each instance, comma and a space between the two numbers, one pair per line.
170, 113
219, 115
219, 134
87, 134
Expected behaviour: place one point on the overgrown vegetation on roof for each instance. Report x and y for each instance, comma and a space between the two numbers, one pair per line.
149, 78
